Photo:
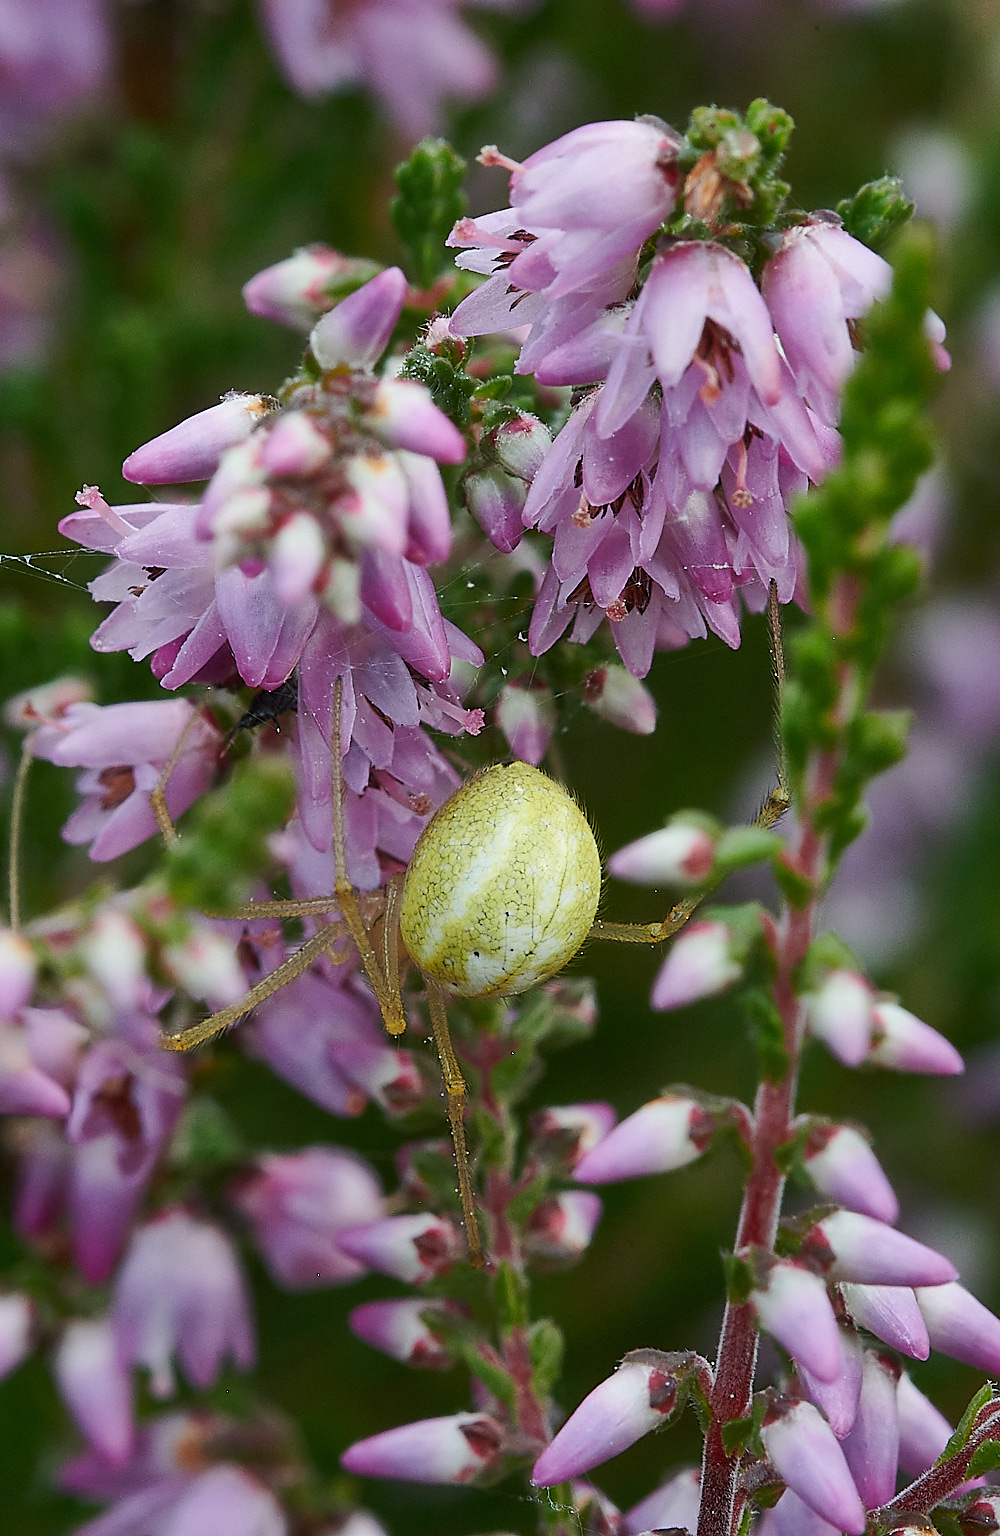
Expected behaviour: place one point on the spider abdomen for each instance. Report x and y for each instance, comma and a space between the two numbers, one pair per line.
503, 885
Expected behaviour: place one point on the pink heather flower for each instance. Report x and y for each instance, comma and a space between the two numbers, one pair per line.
224, 1500
892, 1314
678, 854
54, 56
411, 1248
403, 414
453, 1449
567, 1132
637, 1398
621, 699
16, 1315
299, 289
297, 1203
412, 54
960, 1326
520, 444
192, 449
923, 1429
399, 1328
807, 1456
496, 500
675, 1502
124, 748
667, 1133
839, 1398
17, 973
95, 1384
181, 1290
842, 1166
841, 1014
206, 964
792, 1305
907, 1044
561, 1227
42, 1178
356, 331
699, 965
872, 1447
527, 717
113, 949
791, 1516
24, 1089
853, 1247
45, 705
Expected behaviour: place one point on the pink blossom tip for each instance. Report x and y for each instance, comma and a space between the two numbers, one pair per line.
841, 1014
960, 1326
298, 290
404, 416
892, 1314
567, 1132
619, 698
674, 1503
700, 964
527, 717
411, 1248
403, 1329
807, 1456
842, 1166
667, 1133
636, 1399
192, 449
793, 1306
358, 330
679, 854
854, 1247
560, 1227
94, 1382
923, 1429
906, 1044
17, 973
454, 1449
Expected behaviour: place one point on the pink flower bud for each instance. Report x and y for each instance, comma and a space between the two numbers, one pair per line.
16, 1314
295, 446
298, 554
295, 292
429, 527
404, 415
621, 699
298, 1204
841, 1015
47, 704
96, 1387
872, 1447
192, 449
793, 1306
838, 1399
560, 1228
453, 1449
907, 1044
398, 1329
791, 1517
843, 1167
17, 973
411, 1248
113, 948
923, 1429
527, 717
496, 500
357, 331
891, 1313
674, 1503
614, 1416
679, 854
854, 1247
374, 511
206, 964
24, 1090
699, 965
521, 444
55, 1043
667, 1133
960, 1326
570, 1131
807, 1456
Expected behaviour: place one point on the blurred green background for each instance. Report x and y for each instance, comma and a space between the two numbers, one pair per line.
201, 167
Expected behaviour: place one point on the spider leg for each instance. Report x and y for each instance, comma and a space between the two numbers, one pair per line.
16, 825
158, 799
455, 1084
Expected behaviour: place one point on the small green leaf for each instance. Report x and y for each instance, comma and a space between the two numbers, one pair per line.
429, 200
511, 1294
963, 1430
740, 847
546, 1347
736, 1435
875, 211
985, 1458
523, 1203
768, 1032
493, 1376
205, 1139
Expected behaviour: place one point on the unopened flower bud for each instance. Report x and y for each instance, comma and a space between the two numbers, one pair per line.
567, 1132
357, 331
192, 449
700, 964
679, 854
295, 446
840, 1014
341, 590
960, 1326
872, 1447
43, 705
907, 1044
923, 1429
621, 699
807, 1456
24, 1090
849, 1246
496, 500
667, 1133
792, 1304
892, 1314
674, 1503
412, 1248
428, 532
560, 1228
298, 290
95, 1384
527, 717
374, 511
399, 1328
113, 949
521, 444
453, 1449
206, 965
298, 553
404, 415
16, 1313
636, 1399
839, 1398
842, 1165
17, 973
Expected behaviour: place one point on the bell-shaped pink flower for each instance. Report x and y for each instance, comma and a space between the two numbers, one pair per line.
561, 1227
16, 1315
674, 1503
223, 1501
181, 1290
411, 1248
854, 1247
923, 1429
792, 1304
891, 1313
298, 1203
95, 1384
453, 1449
679, 854
843, 1167
960, 1326
667, 1133
399, 1328
807, 1456
700, 964
841, 1014
24, 1090
636, 1399
527, 717
17, 973
357, 331
192, 449
619, 698
872, 1447
907, 1044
